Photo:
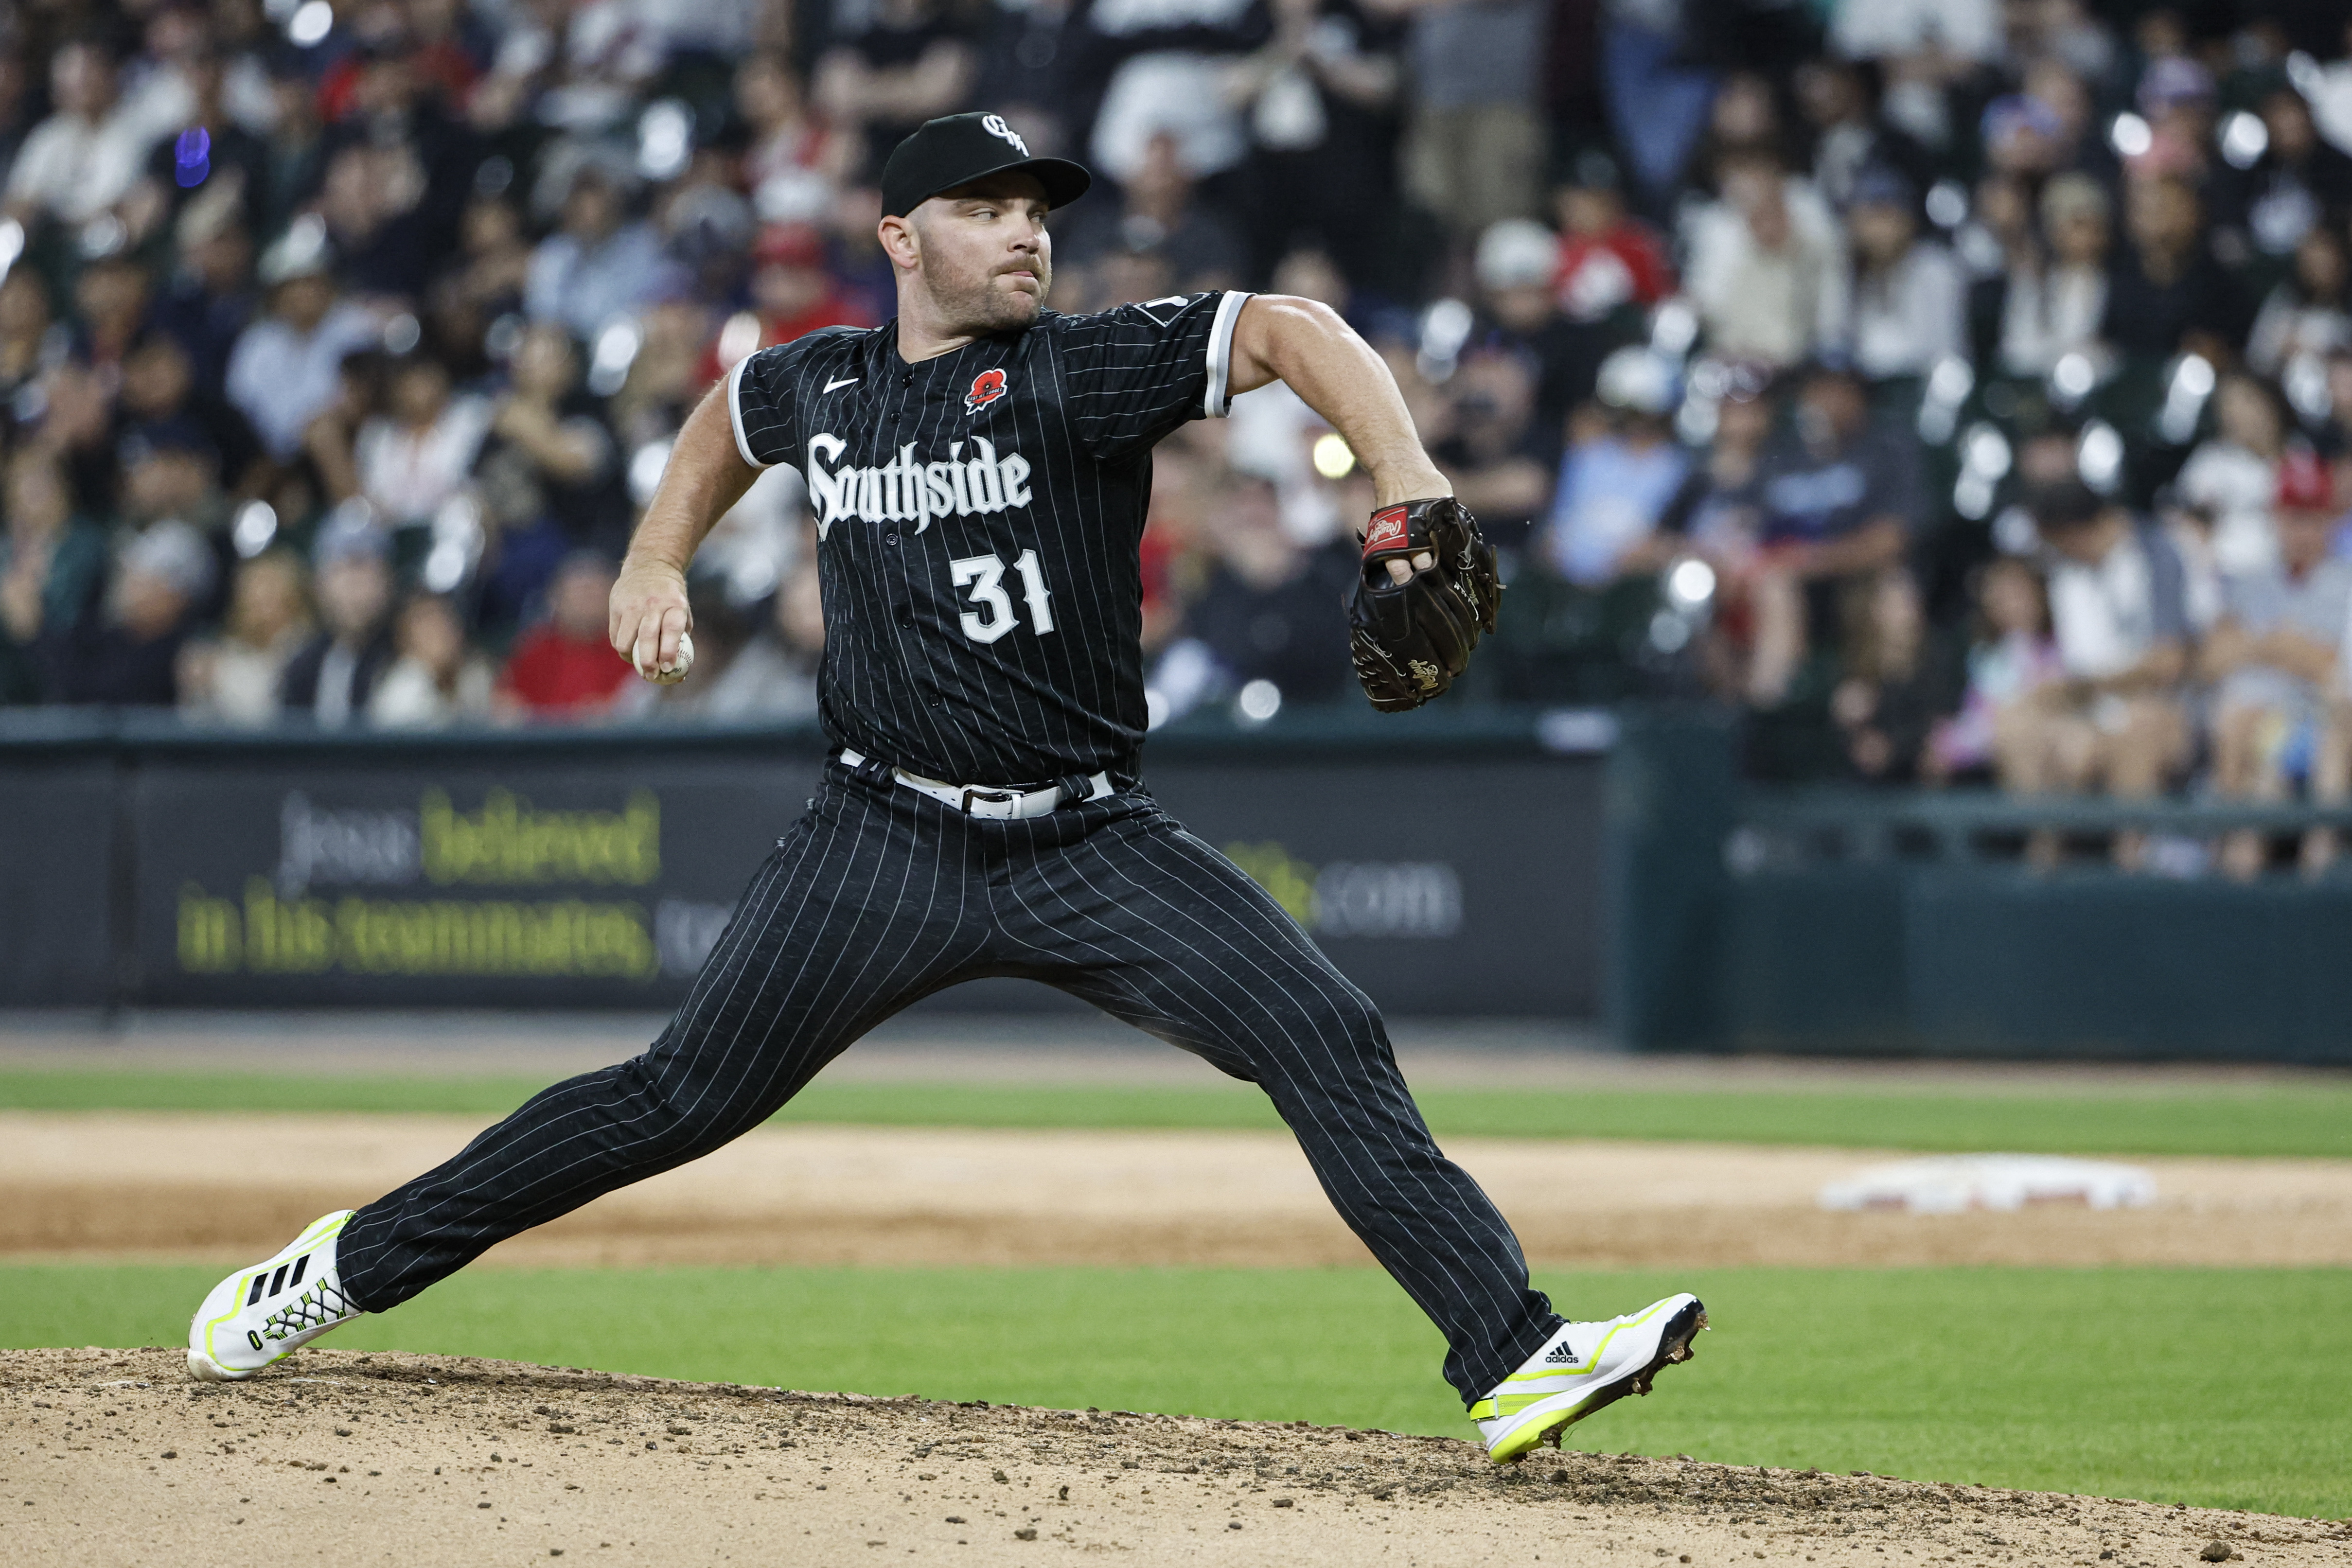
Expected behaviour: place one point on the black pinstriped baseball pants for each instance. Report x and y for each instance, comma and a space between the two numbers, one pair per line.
880, 896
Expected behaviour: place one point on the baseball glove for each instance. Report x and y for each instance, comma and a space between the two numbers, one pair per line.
1411, 639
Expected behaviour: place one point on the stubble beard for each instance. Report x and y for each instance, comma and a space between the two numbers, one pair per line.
975, 305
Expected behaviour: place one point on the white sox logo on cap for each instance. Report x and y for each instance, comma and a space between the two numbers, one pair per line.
994, 125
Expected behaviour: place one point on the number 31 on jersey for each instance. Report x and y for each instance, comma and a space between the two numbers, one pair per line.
994, 615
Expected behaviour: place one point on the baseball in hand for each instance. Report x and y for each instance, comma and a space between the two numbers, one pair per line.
676, 673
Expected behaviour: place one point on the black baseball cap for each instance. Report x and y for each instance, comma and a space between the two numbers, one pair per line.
957, 149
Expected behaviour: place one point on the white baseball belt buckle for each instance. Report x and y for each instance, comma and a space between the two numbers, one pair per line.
980, 801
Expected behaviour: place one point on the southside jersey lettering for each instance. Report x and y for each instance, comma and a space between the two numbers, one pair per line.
908, 490
978, 520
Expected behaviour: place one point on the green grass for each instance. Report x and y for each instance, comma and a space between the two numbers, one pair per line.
2207, 1386
2313, 1120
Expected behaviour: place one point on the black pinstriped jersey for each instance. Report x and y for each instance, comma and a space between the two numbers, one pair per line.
977, 520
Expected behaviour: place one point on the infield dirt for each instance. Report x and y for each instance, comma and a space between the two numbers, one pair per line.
112, 1457
111, 1184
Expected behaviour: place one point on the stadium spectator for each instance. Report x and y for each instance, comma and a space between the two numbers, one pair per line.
549, 433
893, 64
793, 293
1618, 482
2051, 297
2272, 656
207, 300
237, 677
1588, 594
1489, 439
1898, 679
161, 399
1768, 267
415, 456
772, 676
1848, 134
284, 368
2011, 657
329, 681
1608, 259
1518, 266
52, 568
493, 267
2308, 315
2293, 186
2166, 294
31, 341
1157, 212
1322, 95
127, 655
368, 202
563, 667
1474, 149
84, 157
795, 162
1840, 491
211, 151
171, 473
110, 301
2232, 477
73, 418
2116, 722
600, 263
1268, 611
1323, 102
436, 680
1909, 297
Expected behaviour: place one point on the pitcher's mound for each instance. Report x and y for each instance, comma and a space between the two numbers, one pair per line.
111, 1456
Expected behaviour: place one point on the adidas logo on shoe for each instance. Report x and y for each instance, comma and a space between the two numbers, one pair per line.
262, 1314
1561, 1355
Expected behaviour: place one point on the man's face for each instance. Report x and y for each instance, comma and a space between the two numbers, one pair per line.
2163, 214
354, 593
591, 212
149, 605
982, 253
303, 301
1831, 410
167, 483
156, 379
1882, 230
2087, 544
81, 82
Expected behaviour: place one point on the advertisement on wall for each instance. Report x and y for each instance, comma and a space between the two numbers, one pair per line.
566, 881
529, 882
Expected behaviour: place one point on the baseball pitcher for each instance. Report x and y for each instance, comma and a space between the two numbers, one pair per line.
978, 471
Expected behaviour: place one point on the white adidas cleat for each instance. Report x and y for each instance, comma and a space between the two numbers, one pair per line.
1582, 1368
267, 1313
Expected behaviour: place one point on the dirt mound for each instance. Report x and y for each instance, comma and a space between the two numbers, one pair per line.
113, 1457
93, 1185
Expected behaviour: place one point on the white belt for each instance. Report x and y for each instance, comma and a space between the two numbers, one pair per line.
980, 800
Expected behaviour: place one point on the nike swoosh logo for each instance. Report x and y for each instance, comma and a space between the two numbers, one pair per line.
845, 381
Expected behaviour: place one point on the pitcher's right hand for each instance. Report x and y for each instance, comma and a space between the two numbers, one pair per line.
649, 616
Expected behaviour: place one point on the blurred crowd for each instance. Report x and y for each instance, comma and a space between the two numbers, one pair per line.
1961, 387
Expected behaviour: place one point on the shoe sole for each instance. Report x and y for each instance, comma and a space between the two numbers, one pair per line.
1674, 1347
